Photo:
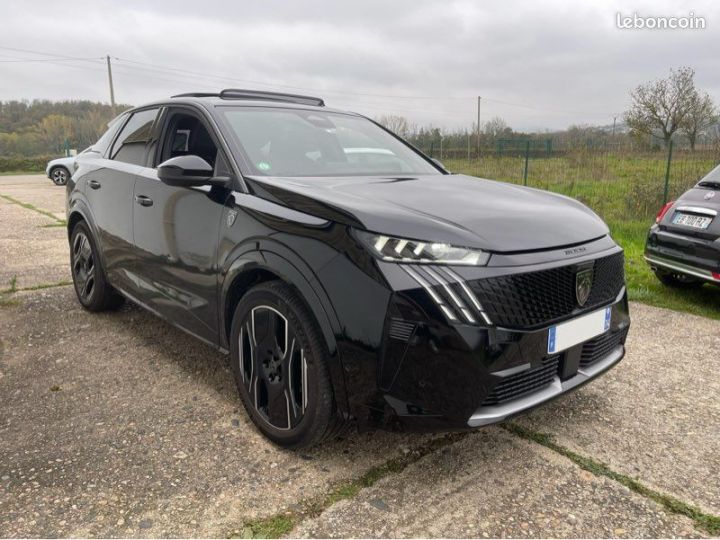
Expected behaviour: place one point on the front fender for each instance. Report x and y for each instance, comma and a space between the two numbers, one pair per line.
277, 259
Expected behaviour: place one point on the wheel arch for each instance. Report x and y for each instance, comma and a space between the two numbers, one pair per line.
258, 266
79, 211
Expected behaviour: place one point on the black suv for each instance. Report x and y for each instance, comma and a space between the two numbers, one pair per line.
683, 247
349, 276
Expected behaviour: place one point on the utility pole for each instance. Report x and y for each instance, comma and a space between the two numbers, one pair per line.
613, 131
112, 89
478, 129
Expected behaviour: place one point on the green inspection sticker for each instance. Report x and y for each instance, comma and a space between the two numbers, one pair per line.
263, 166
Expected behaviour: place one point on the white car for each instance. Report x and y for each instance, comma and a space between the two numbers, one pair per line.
60, 170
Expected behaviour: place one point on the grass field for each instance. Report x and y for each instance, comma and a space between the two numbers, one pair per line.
627, 192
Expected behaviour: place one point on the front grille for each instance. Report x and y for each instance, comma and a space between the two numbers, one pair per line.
601, 346
535, 299
523, 383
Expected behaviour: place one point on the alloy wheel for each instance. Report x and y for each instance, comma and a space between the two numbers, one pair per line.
273, 367
59, 176
83, 266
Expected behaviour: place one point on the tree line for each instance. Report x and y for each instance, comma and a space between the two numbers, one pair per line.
661, 110
43, 127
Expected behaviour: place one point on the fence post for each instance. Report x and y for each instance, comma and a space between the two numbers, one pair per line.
527, 155
431, 148
667, 173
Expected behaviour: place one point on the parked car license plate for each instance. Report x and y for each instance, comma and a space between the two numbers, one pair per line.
691, 220
571, 333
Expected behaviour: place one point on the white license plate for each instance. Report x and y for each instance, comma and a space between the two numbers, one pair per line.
690, 220
568, 334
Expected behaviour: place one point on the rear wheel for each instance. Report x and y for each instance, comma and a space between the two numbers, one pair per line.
280, 363
678, 280
59, 176
91, 286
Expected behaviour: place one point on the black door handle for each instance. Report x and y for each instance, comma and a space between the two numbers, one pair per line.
143, 200
94, 184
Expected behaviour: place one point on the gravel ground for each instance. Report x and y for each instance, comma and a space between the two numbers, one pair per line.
119, 425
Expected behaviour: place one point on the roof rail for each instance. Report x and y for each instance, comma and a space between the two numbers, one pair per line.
239, 93
197, 94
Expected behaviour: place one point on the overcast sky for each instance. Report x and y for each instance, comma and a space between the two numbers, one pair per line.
536, 64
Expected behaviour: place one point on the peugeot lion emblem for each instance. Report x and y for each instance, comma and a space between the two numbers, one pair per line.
231, 215
709, 195
583, 284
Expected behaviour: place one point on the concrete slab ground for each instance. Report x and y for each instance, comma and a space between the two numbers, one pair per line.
37, 190
657, 415
33, 248
120, 425
493, 484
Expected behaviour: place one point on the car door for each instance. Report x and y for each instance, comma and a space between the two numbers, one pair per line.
176, 229
109, 190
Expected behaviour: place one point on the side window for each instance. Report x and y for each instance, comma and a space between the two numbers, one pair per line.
187, 135
130, 144
103, 142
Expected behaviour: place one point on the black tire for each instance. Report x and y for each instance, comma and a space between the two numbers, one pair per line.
91, 286
59, 175
267, 360
678, 280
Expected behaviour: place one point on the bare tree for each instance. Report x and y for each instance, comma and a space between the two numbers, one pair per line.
495, 127
701, 115
397, 124
661, 105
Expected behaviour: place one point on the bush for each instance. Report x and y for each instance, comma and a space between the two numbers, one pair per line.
29, 164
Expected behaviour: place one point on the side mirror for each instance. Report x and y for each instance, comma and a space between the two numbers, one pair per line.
187, 171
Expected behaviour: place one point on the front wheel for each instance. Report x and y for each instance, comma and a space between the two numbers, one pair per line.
59, 176
280, 363
677, 280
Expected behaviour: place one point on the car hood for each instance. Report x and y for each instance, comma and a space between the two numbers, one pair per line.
456, 209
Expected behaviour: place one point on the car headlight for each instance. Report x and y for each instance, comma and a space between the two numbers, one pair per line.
401, 250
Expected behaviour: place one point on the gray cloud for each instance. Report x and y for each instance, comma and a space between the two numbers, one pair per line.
552, 64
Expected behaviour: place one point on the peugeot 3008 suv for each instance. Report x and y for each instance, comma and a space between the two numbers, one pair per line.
348, 275
683, 247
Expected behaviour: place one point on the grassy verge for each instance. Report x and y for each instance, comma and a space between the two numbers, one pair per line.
282, 523
644, 287
702, 520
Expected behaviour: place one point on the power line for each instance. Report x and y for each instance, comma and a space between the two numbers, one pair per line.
172, 71
65, 56
20, 60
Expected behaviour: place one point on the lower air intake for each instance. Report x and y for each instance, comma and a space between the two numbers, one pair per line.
601, 346
526, 382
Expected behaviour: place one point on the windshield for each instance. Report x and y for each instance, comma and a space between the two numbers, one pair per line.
296, 142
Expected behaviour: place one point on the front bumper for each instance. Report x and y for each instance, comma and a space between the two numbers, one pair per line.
697, 257
434, 372
493, 414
